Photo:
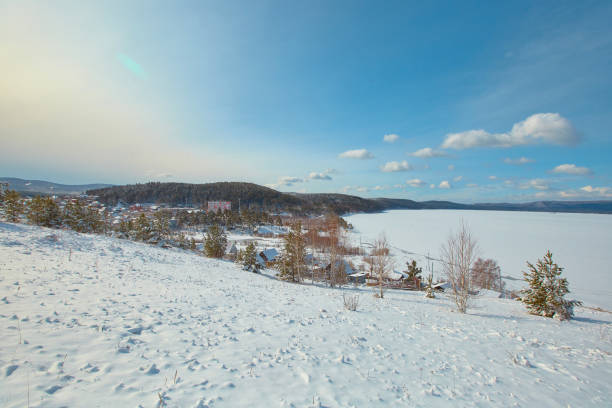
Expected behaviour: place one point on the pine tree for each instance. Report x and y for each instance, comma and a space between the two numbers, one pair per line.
92, 221
215, 242
125, 228
143, 229
414, 273
546, 291
284, 265
249, 258
161, 226
239, 256
13, 205
293, 257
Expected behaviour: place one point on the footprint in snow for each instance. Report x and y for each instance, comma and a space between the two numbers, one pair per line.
52, 390
152, 370
10, 369
90, 368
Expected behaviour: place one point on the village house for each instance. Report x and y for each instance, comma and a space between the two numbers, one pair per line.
267, 257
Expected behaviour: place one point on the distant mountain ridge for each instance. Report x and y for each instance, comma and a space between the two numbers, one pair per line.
47, 187
253, 195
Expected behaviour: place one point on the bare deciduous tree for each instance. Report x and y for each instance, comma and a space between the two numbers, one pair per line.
337, 272
458, 255
486, 274
381, 261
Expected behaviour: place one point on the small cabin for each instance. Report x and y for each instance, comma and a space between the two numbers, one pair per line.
267, 256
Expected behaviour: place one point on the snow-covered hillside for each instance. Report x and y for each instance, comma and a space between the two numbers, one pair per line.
94, 321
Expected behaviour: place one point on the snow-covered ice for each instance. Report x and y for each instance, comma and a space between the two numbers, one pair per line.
581, 243
93, 321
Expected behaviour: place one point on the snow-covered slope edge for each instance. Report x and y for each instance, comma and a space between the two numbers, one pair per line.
94, 321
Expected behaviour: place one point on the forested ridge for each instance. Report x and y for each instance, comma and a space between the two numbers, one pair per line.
249, 195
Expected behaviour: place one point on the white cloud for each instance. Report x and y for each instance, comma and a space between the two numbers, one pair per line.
319, 176
432, 186
444, 184
360, 154
379, 188
158, 176
451, 167
492, 177
519, 161
458, 178
602, 191
572, 169
391, 167
416, 183
541, 127
362, 189
285, 181
428, 152
288, 180
568, 194
391, 138
472, 185
537, 184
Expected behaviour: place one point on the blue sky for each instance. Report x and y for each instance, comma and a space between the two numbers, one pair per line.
477, 101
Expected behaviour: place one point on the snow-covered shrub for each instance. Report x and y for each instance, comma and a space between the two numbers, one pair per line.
429, 290
546, 291
351, 302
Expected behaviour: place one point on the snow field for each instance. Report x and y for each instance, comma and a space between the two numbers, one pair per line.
580, 243
93, 321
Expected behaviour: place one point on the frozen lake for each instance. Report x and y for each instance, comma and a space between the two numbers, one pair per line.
580, 243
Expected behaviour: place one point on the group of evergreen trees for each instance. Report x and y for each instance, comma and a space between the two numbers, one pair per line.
78, 216
45, 211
